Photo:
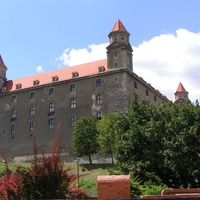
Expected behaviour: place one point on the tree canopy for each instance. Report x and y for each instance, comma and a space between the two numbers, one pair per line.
162, 140
84, 140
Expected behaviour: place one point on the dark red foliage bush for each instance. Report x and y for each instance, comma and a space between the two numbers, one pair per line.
44, 179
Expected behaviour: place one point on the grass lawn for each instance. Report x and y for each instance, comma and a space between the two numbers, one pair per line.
87, 174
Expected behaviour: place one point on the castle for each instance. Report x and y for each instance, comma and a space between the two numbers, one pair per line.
39, 103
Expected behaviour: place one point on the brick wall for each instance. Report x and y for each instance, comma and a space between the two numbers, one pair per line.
113, 187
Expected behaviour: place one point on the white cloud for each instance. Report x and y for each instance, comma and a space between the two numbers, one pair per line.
94, 52
163, 61
39, 69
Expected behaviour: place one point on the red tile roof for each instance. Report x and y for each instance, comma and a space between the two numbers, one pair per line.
1, 61
62, 74
118, 26
181, 88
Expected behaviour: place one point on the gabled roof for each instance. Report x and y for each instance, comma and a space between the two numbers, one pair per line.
1, 61
62, 74
181, 88
118, 26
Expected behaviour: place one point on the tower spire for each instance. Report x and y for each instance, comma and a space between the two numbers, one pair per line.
181, 95
1, 61
3, 69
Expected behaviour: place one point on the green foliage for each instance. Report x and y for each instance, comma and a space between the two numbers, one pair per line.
106, 136
84, 140
154, 189
90, 186
162, 140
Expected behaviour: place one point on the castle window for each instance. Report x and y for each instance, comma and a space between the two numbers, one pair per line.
99, 82
51, 91
135, 84
101, 69
115, 39
155, 98
116, 79
73, 87
32, 110
14, 99
122, 38
147, 93
115, 55
136, 97
13, 129
18, 86
32, 95
4, 89
115, 64
51, 123
99, 99
73, 103
36, 82
51, 107
74, 74
13, 114
72, 120
54, 78
99, 115
32, 126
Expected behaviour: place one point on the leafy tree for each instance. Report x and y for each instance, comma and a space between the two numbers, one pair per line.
162, 140
106, 136
84, 140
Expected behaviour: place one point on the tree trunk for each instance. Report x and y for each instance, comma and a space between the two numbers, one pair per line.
111, 153
90, 158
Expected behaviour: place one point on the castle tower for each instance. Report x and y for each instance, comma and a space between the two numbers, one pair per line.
119, 51
3, 69
181, 95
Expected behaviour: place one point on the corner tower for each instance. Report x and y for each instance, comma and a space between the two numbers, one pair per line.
119, 51
3, 70
181, 95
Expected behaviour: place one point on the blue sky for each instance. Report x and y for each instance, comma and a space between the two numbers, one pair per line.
42, 35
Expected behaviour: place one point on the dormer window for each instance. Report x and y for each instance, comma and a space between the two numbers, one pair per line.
4, 89
101, 69
54, 78
36, 82
74, 74
18, 86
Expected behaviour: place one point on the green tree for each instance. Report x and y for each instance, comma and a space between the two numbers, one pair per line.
162, 140
84, 139
106, 136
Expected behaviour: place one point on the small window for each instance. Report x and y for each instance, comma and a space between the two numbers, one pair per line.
36, 82
136, 97
74, 74
32, 95
73, 87
99, 83
116, 79
115, 39
14, 99
135, 84
18, 86
115, 64
32, 126
115, 55
147, 93
51, 123
155, 99
51, 92
54, 78
51, 107
32, 110
99, 99
101, 69
72, 120
73, 103
99, 115
13, 129
4, 89
13, 114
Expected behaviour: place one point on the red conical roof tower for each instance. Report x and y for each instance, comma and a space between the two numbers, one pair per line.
118, 26
181, 95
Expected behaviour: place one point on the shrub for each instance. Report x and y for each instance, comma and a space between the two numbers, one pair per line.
44, 179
